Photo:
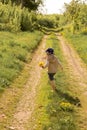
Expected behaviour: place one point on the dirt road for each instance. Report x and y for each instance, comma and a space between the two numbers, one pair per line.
78, 72
25, 107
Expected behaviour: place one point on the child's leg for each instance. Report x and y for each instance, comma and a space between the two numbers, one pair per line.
52, 82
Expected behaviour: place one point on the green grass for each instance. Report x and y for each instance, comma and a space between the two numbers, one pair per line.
49, 114
15, 51
79, 42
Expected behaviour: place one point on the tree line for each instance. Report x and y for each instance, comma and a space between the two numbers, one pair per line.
75, 15
30, 4
16, 15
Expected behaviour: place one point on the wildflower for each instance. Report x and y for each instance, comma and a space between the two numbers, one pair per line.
66, 106
41, 64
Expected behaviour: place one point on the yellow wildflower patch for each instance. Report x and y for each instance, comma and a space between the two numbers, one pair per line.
66, 106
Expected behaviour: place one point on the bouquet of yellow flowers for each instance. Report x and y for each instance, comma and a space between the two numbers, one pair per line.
41, 64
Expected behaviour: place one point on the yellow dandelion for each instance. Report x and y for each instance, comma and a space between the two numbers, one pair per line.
41, 64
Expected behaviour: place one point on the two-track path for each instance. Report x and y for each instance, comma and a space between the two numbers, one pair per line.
26, 105
78, 73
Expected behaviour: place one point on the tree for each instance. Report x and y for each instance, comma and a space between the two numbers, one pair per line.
30, 4
72, 12
83, 15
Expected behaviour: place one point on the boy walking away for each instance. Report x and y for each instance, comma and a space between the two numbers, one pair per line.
52, 64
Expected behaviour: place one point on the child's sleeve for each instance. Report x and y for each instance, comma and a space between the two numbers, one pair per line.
47, 63
59, 63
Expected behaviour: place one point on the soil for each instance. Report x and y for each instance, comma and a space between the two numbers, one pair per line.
78, 72
26, 105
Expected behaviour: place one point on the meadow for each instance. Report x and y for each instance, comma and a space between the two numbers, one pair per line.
79, 41
15, 51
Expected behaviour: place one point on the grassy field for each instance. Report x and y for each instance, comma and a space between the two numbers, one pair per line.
15, 51
55, 111
79, 42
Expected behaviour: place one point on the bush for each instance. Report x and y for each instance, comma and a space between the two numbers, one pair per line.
84, 32
13, 18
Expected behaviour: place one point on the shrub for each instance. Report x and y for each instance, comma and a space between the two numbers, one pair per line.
13, 18
84, 32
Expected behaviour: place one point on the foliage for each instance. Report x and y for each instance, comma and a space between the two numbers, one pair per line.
50, 21
76, 15
13, 18
30, 4
83, 17
72, 10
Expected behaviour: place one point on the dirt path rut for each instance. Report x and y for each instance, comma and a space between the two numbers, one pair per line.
78, 72
26, 105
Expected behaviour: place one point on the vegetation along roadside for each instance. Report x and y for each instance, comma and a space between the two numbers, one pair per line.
15, 51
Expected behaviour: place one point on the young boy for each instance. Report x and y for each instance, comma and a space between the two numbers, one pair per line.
52, 65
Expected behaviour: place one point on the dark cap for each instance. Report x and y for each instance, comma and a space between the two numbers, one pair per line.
50, 50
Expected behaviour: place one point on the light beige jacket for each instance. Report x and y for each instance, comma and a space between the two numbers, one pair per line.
52, 64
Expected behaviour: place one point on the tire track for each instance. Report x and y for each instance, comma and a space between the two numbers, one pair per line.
78, 72
26, 105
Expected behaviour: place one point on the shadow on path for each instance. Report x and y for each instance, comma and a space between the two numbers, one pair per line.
67, 96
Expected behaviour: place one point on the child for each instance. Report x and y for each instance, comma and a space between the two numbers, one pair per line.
52, 65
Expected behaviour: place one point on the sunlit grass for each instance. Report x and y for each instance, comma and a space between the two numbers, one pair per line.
79, 42
15, 51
